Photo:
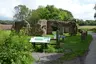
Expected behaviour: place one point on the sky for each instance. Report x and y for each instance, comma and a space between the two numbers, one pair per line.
81, 9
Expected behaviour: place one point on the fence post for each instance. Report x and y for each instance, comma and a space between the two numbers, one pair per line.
57, 39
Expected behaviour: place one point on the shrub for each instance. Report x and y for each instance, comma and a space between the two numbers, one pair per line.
50, 49
3, 36
15, 50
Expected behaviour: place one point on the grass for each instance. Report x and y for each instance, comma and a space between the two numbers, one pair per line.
77, 46
87, 27
72, 46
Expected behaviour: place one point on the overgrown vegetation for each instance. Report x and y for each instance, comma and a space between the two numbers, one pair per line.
15, 49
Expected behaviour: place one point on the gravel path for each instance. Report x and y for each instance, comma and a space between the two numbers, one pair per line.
46, 56
53, 58
91, 57
42, 58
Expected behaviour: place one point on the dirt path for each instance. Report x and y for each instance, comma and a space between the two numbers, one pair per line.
44, 58
53, 58
91, 57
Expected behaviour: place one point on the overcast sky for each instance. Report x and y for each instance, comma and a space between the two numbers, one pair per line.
81, 9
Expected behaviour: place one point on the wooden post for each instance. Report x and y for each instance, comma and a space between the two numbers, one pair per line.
57, 39
83, 35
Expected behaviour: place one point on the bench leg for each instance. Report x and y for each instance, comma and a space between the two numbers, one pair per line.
34, 45
46, 45
42, 47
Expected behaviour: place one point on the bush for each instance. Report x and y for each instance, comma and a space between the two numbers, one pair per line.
3, 36
94, 29
50, 49
15, 50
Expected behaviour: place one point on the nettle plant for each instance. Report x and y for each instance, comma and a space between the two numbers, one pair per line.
16, 49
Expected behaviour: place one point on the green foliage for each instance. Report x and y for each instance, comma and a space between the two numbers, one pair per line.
77, 46
50, 49
80, 22
88, 28
95, 13
34, 17
87, 22
15, 49
21, 12
93, 30
72, 46
6, 22
65, 15
51, 12
3, 36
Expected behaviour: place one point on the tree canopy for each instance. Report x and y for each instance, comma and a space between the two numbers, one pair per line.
6, 22
21, 12
51, 12
48, 12
95, 9
87, 22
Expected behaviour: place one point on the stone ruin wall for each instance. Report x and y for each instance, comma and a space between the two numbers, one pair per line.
44, 27
49, 28
64, 27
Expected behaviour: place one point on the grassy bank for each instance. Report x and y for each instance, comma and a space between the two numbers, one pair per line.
72, 46
87, 27
77, 47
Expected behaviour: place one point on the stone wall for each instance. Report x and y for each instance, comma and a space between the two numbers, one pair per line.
63, 27
44, 27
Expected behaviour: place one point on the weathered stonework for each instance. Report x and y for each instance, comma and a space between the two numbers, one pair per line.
44, 27
63, 27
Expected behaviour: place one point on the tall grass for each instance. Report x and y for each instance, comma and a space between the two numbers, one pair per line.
3, 36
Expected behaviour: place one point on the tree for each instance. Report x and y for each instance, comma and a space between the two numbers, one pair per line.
80, 22
95, 9
65, 15
43, 12
51, 12
34, 17
6, 22
21, 12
